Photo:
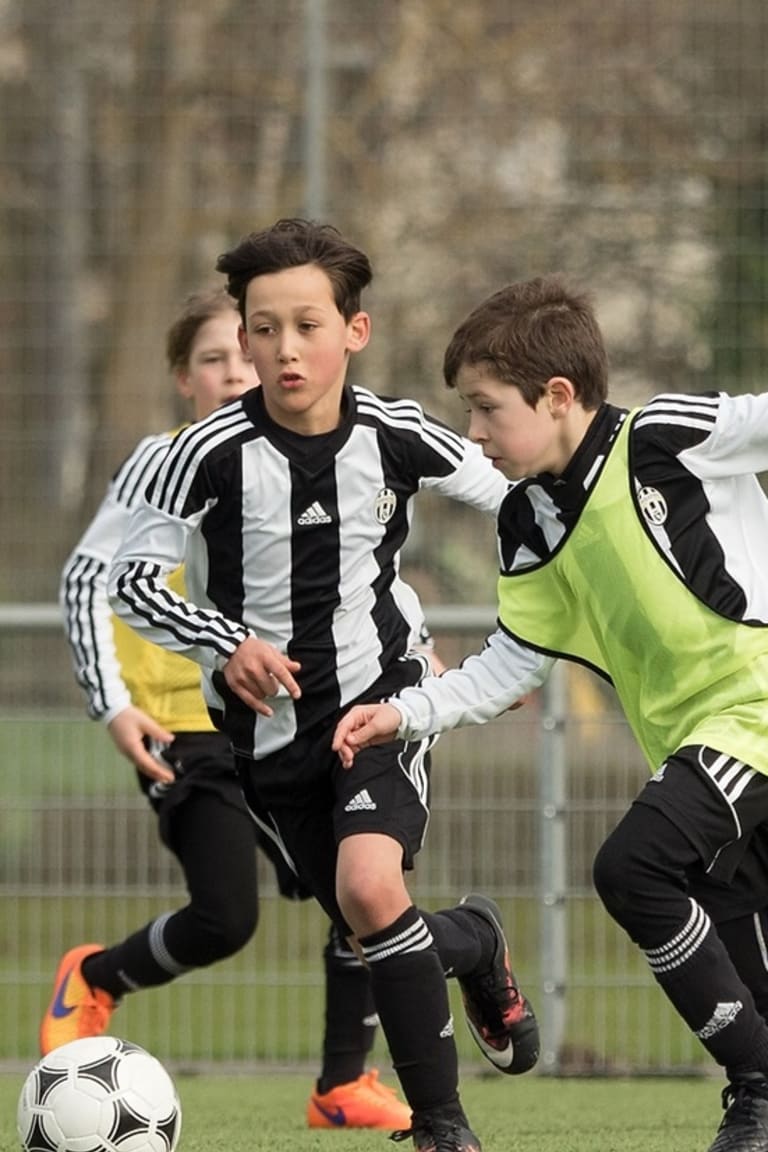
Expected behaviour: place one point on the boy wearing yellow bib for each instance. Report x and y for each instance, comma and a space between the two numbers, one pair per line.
635, 543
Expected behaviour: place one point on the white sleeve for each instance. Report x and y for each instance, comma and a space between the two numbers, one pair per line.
483, 687
155, 544
738, 444
475, 481
86, 613
83, 587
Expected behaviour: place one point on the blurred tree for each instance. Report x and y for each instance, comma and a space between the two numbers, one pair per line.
464, 146
737, 137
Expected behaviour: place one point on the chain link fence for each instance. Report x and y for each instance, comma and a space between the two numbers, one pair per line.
462, 146
519, 808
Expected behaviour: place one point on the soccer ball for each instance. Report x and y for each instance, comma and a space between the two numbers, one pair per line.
99, 1094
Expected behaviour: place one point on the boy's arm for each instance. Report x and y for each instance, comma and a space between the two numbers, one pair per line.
713, 434
88, 621
485, 685
87, 616
83, 598
434, 455
739, 443
473, 480
154, 546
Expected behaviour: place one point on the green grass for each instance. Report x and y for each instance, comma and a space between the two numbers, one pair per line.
533, 1114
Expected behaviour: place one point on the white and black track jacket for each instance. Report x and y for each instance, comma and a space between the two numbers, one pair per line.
296, 540
83, 588
698, 456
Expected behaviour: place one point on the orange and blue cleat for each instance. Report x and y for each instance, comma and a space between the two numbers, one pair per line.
76, 1010
363, 1103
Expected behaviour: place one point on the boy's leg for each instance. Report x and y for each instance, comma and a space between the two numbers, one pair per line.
350, 1014
680, 825
407, 977
346, 1096
379, 820
213, 841
739, 911
640, 876
746, 940
469, 942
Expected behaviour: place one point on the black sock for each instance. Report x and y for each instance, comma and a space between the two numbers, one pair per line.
132, 964
698, 976
411, 997
463, 940
350, 1016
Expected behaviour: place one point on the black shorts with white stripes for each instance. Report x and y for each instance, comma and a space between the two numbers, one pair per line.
387, 792
720, 804
307, 803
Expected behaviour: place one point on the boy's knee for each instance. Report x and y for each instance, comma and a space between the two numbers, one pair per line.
231, 930
614, 878
239, 929
372, 908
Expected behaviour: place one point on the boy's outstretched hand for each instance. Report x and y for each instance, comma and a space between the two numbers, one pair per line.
364, 725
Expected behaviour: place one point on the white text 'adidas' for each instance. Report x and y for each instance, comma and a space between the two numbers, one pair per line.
315, 514
361, 801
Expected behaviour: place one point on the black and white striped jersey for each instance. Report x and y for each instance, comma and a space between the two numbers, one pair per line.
296, 540
693, 464
83, 587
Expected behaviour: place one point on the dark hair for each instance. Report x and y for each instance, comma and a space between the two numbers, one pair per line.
289, 244
198, 309
530, 331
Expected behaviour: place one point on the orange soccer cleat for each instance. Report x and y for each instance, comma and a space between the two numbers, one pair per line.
363, 1103
76, 1010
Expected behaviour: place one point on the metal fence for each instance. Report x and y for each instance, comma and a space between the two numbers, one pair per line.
462, 146
519, 809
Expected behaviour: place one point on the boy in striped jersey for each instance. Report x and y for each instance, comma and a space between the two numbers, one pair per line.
636, 543
154, 710
290, 508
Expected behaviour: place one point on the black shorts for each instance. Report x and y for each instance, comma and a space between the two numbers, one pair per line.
386, 791
203, 762
721, 806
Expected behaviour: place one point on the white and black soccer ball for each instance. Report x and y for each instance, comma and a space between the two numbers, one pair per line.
99, 1094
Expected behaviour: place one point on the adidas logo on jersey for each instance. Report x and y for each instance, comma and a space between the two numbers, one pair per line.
361, 802
315, 514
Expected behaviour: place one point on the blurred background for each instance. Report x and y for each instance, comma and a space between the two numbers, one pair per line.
462, 146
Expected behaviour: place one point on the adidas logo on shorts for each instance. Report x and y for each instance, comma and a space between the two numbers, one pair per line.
361, 802
447, 1030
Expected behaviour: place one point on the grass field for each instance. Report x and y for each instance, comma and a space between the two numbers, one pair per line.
533, 1114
